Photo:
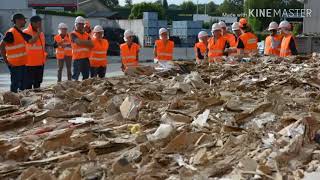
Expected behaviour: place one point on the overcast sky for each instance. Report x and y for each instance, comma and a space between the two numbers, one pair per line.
122, 2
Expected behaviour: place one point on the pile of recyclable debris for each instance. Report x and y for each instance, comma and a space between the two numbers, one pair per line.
254, 120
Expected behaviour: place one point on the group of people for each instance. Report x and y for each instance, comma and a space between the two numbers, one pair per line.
243, 42
24, 49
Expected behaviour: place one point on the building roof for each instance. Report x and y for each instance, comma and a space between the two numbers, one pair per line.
52, 3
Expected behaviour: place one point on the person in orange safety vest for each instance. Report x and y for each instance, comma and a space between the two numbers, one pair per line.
129, 51
273, 41
13, 51
164, 48
36, 53
201, 47
62, 43
217, 44
81, 44
288, 44
247, 42
231, 38
98, 54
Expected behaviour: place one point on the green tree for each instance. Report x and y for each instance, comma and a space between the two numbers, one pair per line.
188, 7
138, 9
110, 3
174, 6
231, 6
128, 3
212, 8
165, 4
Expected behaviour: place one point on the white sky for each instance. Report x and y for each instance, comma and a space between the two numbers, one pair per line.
122, 2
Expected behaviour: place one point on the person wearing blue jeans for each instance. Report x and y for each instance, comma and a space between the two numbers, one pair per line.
81, 66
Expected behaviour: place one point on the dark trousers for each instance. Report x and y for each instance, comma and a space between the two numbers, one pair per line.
68, 61
18, 74
34, 77
81, 66
98, 72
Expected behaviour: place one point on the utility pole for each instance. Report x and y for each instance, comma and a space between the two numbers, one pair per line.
197, 6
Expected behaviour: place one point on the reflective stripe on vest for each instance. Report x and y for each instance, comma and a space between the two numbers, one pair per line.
17, 55
15, 47
98, 52
98, 59
81, 50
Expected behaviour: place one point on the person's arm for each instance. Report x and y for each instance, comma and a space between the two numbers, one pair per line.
3, 52
138, 55
293, 47
240, 47
32, 39
81, 42
155, 51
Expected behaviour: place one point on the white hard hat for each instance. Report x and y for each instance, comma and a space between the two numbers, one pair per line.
222, 24
285, 24
235, 26
127, 34
62, 26
98, 28
80, 19
273, 26
216, 26
202, 34
162, 30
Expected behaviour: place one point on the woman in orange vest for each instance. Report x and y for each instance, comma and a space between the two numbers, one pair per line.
36, 54
13, 51
273, 41
163, 49
247, 42
62, 43
98, 54
129, 51
232, 51
231, 38
288, 45
216, 45
201, 47
81, 44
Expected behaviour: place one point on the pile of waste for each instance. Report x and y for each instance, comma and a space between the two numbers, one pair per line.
258, 119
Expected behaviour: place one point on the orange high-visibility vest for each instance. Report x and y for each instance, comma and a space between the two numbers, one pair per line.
250, 42
98, 54
272, 45
285, 46
164, 51
129, 55
80, 51
231, 39
60, 51
202, 47
36, 51
16, 51
216, 49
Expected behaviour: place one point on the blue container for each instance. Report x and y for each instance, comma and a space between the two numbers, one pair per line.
150, 15
162, 24
150, 23
150, 31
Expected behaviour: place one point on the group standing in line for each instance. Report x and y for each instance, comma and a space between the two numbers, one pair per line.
243, 42
86, 49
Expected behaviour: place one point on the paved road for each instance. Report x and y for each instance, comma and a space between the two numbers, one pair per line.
50, 74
